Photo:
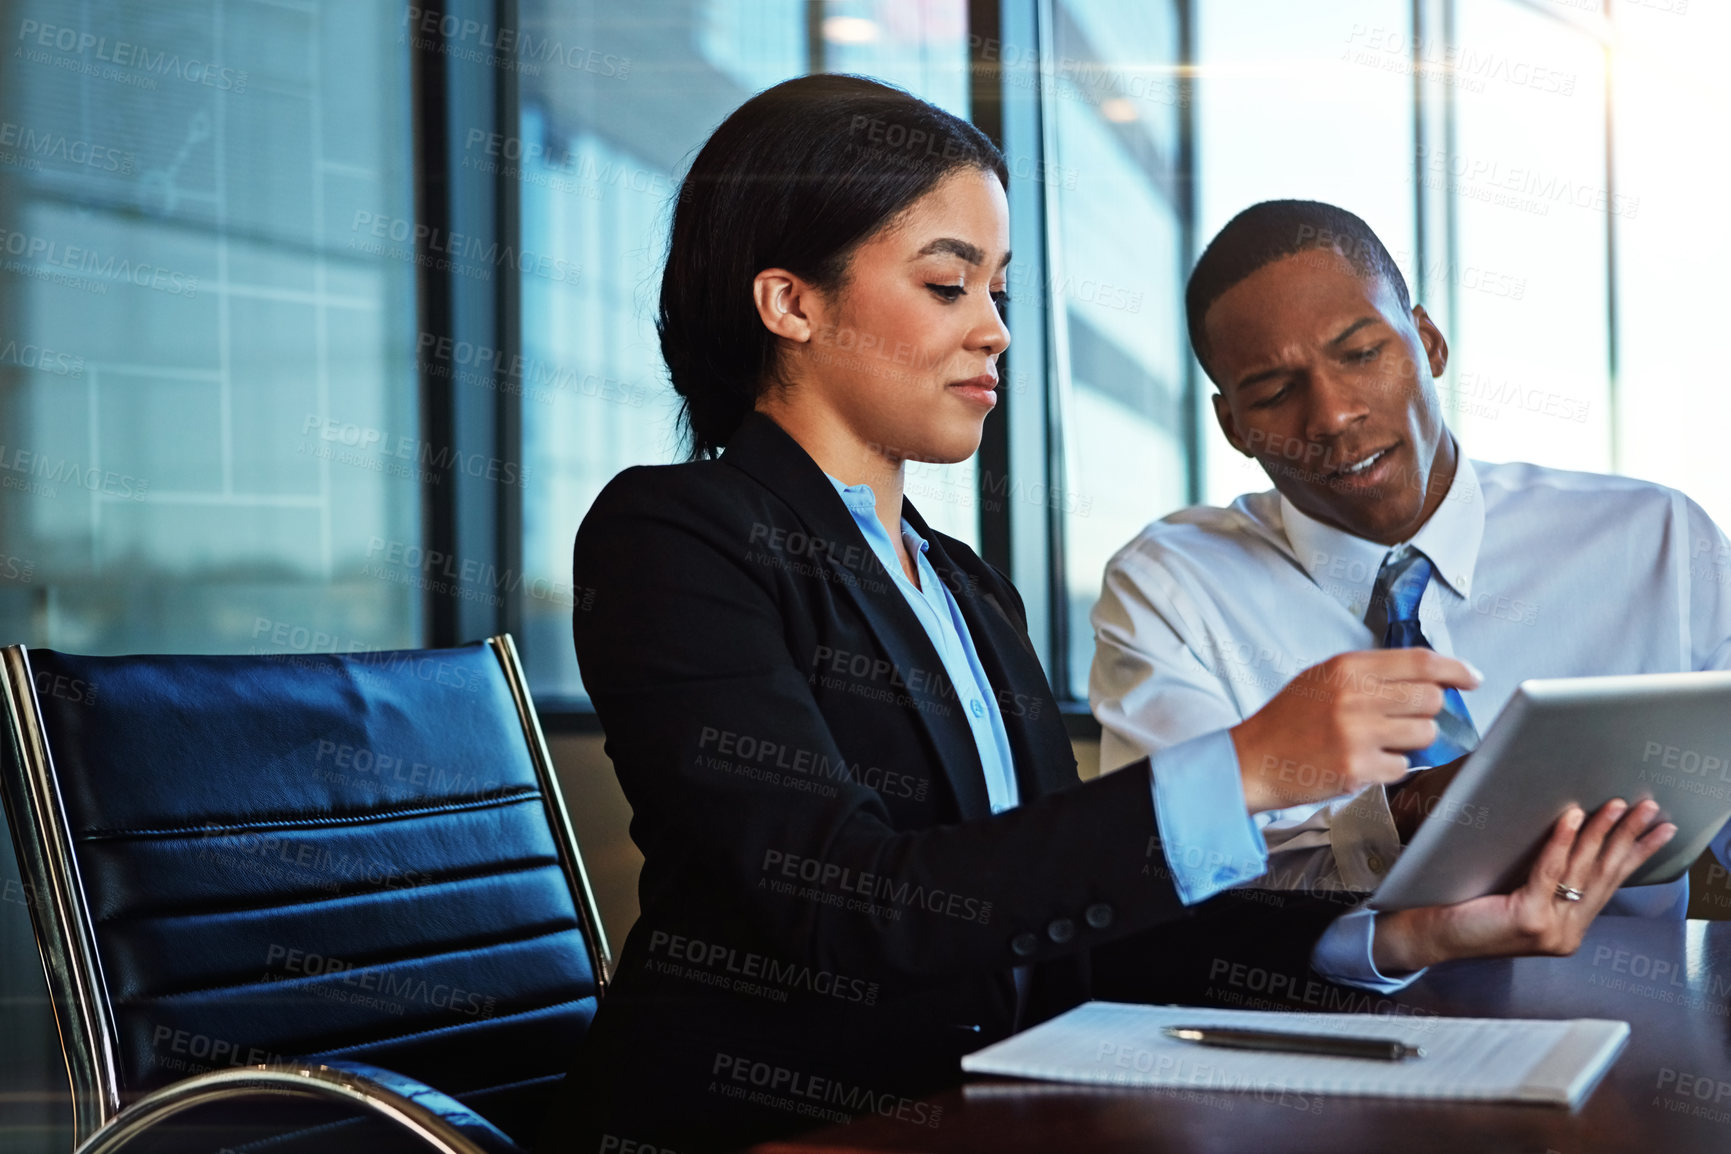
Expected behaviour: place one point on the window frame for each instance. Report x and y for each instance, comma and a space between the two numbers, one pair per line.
473, 519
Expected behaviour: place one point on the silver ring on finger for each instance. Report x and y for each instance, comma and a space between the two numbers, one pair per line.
1568, 893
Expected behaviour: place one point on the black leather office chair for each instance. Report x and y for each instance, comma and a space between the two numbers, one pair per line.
339, 879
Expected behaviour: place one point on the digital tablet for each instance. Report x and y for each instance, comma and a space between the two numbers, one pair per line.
1574, 741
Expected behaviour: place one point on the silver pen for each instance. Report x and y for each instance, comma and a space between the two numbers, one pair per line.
1331, 1045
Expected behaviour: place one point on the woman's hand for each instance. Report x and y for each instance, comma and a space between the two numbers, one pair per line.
1594, 859
1344, 724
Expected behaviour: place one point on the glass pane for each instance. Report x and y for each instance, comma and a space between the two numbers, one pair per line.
1528, 179
206, 327
1118, 271
600, 151
1673, 295
1312, 102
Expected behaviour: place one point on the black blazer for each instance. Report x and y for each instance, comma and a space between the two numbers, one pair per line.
831, 915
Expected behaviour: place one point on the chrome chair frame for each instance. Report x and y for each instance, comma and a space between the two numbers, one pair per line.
326, 1083
78, 991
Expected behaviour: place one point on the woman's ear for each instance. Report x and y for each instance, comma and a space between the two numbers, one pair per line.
785, 304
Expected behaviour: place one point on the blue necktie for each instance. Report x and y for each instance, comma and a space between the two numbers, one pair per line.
1400, 585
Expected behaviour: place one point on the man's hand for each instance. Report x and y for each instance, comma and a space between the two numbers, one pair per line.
1345, 724
1595, 858
1416, 798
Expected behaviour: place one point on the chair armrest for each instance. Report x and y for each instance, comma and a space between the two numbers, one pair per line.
443, 1124
464, 1120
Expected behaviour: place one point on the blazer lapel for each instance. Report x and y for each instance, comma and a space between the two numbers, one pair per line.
765, 451
1039, 742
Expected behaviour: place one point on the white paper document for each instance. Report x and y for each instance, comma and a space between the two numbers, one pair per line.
1485, 1059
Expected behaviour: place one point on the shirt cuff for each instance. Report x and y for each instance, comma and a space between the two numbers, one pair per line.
1721, 845
1343, 955
1211, 843
1366, 844
1666, 900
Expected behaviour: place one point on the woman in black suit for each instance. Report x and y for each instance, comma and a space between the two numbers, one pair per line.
866, 848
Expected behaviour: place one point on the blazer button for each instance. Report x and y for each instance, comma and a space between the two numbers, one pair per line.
1024, 944
1098, 916
1061, 930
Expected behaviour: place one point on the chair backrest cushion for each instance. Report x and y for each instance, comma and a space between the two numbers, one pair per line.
324, 856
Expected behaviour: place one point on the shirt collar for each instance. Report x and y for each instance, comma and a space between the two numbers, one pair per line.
1346, 566
863, 504
857, 498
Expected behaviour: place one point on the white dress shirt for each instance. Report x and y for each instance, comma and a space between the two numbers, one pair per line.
1209, 612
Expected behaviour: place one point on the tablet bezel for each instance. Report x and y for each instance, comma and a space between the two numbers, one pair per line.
1485, 830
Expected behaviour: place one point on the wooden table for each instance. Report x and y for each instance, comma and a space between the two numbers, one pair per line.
1669, 1091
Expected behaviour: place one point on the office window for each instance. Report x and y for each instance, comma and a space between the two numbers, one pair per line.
1299, 104
1117, 268
1673, 292
602, 148
1306, 102
206, 325
1530, 374
212, 421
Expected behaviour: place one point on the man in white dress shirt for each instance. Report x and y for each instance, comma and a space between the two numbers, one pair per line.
1324, 370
